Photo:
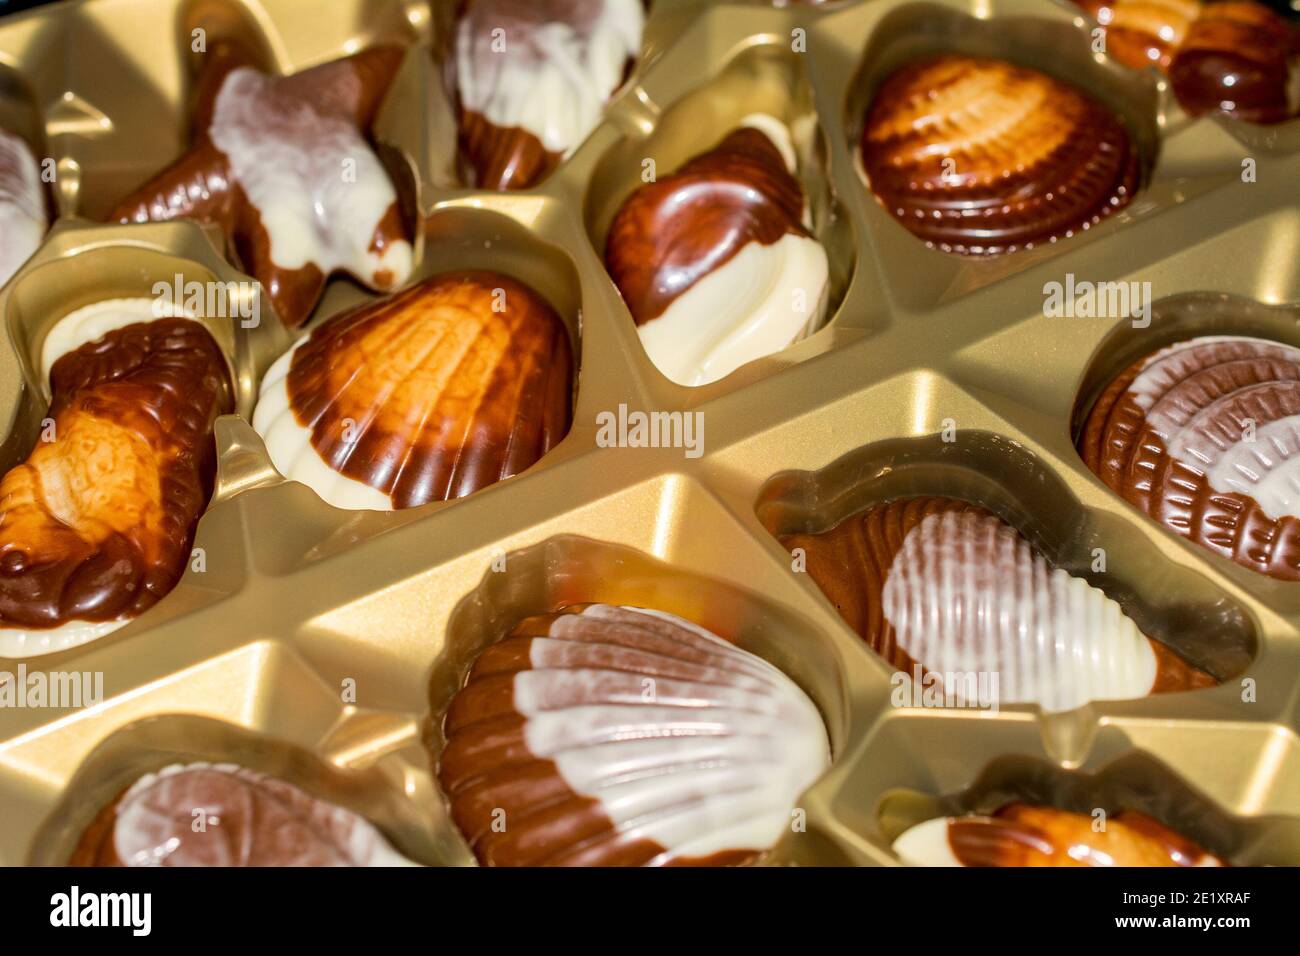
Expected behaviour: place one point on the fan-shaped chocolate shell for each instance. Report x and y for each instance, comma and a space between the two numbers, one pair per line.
980, 156
429, 394
1022, 834
96, 524
203, 814
1203, 437
621, 736
941, 586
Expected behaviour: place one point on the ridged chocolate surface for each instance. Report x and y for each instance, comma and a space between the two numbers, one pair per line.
437, 391
218, 815
1022, 834
673, 232
309, 124
617, 736
946, 585
97, 524
1202, 436
980, 156
1142, 33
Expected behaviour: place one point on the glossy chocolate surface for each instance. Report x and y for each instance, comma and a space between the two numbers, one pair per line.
437, 391
97, 524
671, 233
981, 157
1230, 400
203, 184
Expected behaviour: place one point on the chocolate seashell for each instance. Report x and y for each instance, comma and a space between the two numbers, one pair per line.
980, 156
1021, 834
533, 77
1202, 436
429, 394
96, 525
248, 819
265, 167
1142, 33
23, 219
713, 259
939, 586
606, 735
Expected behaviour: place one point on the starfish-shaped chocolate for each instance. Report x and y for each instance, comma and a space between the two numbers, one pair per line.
282, 165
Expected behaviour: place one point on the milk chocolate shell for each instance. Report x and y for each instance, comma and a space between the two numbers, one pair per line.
945, 585
622, 736
282, 165
429, 394
715, 261
1236, 58
22, 205
204, 814
1022, 834
1203, 436
980, 156
96, 525
533, 77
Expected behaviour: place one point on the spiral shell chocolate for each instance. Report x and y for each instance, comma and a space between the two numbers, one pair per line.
624, 736
1202, 436
980, 156
430, 394
947, 586
1021, 834
219, 815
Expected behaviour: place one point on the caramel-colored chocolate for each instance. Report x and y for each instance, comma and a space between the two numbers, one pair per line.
1142, 33
1219, 392
202, 184
981, 157
1021, 834
97, 524
671, 233
504, 158
853, 562
433, 393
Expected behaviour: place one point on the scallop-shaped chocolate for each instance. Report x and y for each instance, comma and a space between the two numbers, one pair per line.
940, 586
620, 736
1203, 436
204, 814
980, 156
715, 261
429, 394
1021, 834
96, 524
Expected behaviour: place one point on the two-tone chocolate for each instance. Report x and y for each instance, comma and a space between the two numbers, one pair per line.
622, 736
429, 394
942, 587
1238, 58
715, 261
1203, 437
283, 166
205, 814
981, 156
533, 77
23, 220
1022, 834
96, 525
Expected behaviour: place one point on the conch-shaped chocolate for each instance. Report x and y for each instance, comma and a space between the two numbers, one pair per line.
715, 261
282, 165
533, 77
621, 736
981, 156
1232, 57
429, 394
1021, 834
204, 814
22, 205
96, 525
941, 586
1203, 436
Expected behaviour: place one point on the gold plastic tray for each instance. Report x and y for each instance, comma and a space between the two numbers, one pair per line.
323, 645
